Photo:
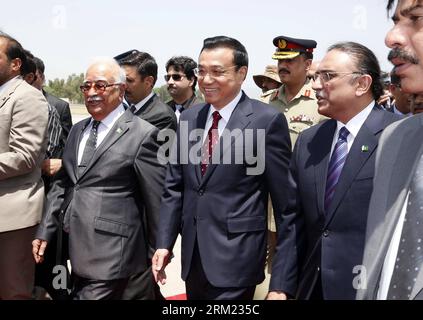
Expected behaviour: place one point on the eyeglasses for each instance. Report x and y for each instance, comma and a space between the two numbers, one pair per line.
175, 77
329, 75
99, 86
213, 73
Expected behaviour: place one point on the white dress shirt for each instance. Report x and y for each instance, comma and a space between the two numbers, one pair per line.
225, 113
103, 129
353, 126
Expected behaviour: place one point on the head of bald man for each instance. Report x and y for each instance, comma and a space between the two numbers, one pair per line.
103, 87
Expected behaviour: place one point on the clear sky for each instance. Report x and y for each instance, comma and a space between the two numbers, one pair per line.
68, 34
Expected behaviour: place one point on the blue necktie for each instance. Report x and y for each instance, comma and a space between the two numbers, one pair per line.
336, 164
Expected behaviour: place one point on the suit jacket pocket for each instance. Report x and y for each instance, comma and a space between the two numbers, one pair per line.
112, 227
246, 224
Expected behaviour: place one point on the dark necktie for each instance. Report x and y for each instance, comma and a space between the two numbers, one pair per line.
130, 107
210, 142
89, 147
336, 164
179, 108
410, 251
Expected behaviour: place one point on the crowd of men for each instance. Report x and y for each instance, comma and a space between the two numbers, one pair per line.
317, 188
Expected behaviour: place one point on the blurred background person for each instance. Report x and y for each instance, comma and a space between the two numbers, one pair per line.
268, 82
181, 81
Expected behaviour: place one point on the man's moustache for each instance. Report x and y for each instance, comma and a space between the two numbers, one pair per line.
403, 55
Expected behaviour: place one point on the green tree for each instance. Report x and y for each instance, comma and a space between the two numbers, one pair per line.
67, 89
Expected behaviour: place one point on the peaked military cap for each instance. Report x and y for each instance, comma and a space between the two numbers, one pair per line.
289, 48
124, 55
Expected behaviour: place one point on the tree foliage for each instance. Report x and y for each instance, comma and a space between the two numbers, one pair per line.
67, 89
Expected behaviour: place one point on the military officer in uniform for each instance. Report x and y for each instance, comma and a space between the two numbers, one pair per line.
268, 82
295, 98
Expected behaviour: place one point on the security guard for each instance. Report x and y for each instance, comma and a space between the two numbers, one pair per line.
295, 98
268, 82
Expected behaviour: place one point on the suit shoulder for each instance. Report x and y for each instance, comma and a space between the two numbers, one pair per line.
55, 101
404, 125
143, 124
192, 112
391, 117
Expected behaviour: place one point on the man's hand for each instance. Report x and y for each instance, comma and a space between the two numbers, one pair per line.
51, 166
38, 248
159, 263
276, 295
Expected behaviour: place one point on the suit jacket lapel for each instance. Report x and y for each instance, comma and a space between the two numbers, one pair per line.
146, 106
364, 145
116, 132
238, 120
323, 148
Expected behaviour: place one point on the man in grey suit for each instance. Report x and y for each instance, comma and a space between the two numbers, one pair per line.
141, 75
107, 194
393, 264
23, 141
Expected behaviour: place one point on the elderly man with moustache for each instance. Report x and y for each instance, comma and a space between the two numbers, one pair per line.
107, 194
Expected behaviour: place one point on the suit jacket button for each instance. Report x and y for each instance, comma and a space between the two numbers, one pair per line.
326, 233
201, 192
76, 188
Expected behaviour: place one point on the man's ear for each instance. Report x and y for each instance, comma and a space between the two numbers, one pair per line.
16, 64
364, 84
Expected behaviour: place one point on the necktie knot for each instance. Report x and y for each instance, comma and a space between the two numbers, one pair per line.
179, 108
216, 117
343, 134
96, 124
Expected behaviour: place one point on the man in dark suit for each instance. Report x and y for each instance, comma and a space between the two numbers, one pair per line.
392, 263
218, 200
331, 177
53, 164
108, 193
141, 75
61, 106
181, 81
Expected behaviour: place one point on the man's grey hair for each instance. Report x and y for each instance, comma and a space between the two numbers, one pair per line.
119, 75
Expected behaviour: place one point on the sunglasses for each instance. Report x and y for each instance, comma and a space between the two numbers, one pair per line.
175, 77
99, 86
